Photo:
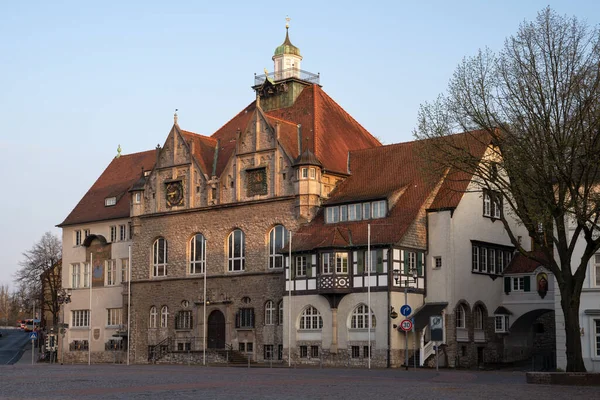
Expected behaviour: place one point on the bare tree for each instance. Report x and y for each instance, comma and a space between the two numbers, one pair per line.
5, 306
536, 104
40, 273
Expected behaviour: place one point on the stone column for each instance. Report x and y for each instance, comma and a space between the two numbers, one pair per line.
334, 331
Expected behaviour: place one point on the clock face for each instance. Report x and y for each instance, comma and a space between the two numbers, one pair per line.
174, 194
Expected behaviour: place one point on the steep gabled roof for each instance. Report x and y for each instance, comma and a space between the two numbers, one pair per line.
523, 265
115, 181
327, 130
203, 149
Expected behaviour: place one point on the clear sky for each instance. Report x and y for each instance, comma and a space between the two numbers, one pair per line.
78, 78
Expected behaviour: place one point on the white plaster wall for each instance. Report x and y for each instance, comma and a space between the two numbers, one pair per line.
520, 303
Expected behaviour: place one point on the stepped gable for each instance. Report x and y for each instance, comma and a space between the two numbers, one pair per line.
116, 180
327, 130
386, 172
203, 149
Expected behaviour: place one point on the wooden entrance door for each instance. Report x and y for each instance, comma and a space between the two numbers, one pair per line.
216, 330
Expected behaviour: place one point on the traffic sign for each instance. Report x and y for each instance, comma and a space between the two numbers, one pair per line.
405, 310
33, 336
406, 325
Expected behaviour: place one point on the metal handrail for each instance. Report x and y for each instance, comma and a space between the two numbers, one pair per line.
288, 73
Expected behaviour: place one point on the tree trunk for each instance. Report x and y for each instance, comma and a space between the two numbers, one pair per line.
570, 307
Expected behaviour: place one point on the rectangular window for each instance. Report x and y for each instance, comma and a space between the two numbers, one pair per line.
492, 254
366, 351
110, 201
487, 204
501, 323
355, 351
326, 267
86, 275
130, 230
303, 351
378, 209
343, 213
519, 284
77, 238
341, 263
437, 262
333, 215
86, 233
354, 212
475, 258
245, 318
113, 233
124, 270
304, 173
111, 272
301, 266
183, 320
597, 323
410, 263
242, 347
497, 206
483, 259
75, 277
314, 351
114, 317
80, 318
122, 232
280, 352
313, 173
376, 261
366, 210
137, 197
500, 262
268, 352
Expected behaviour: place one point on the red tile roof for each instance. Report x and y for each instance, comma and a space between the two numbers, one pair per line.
387, 172
523, 265
116, 180
203, 149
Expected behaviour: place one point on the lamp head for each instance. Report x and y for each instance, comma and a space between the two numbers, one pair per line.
396, 274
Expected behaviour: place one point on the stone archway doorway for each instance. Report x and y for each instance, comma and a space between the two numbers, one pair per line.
216, 330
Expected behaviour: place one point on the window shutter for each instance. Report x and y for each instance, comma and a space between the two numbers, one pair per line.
420, 264
308, 269
379, 266
527, 287
507, 284
405, 262
360, 259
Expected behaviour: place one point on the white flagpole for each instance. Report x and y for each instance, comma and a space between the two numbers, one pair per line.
369, 289
128, 304
90, 312
290, 299
204, 306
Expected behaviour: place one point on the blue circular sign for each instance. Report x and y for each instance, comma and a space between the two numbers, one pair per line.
405, 310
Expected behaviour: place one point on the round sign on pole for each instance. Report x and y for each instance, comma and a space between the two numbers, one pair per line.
406, 325
405, 310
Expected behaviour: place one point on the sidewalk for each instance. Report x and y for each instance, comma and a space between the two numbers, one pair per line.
26, 356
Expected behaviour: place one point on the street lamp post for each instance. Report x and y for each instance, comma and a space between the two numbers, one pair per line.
63, 297
396, 274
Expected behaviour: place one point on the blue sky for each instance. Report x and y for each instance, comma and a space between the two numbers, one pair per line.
79, 78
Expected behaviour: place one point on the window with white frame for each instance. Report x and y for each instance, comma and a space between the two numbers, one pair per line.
332, 215
437, 262
137, 197
114, 317
197, 254
277, 240
244, 318
77, 237
301, 262
366, 212
410, 262
268, 352
183, 319
478, 318
75, 276
80, 318
460, 317
111, 272
483, 259
492, 265
518, 283
596, 270
113, 233
341, 263
378, 209
354, 212
86, 233
86, 275
280, 308
326, 265
304, 173
236, 251
360, 318
122, 233
311, 319
153, 317
124, 270
492, 204
343, 213
376, 261
490, 258
475, 258
164, 316
159, 257
269, 313
501, 323
110, 201
487, 204
313, 173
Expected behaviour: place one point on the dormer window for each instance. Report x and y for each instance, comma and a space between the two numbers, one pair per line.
356, 212
110, 201
146, 173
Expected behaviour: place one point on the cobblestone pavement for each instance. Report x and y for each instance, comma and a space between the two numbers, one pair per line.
43, 381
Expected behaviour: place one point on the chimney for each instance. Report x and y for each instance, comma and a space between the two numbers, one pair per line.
299, 139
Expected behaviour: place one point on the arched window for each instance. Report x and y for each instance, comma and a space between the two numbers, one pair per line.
460, 317
280, 307
360, 318
277, 240
152, 321
197, 254
478, 318
311, 319
159, 257
269, 313
164, 316
236, 251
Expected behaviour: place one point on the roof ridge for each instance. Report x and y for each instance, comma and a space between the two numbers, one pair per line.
315, 108
266, 113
